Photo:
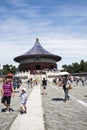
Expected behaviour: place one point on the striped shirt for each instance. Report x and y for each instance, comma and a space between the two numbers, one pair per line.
7, 88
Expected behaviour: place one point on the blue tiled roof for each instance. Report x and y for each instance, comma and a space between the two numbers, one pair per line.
37, 49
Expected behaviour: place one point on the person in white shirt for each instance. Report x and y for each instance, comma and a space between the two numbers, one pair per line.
23, 101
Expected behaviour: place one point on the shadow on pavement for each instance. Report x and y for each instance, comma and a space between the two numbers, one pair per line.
57, 99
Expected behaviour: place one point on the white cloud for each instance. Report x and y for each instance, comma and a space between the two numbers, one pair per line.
62, 31
76, 51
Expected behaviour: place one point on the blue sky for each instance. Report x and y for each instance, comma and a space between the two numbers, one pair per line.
60, 25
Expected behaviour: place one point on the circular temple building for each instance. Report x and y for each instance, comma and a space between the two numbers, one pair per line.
37, 58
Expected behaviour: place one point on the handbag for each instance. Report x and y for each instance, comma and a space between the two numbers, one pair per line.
70, 86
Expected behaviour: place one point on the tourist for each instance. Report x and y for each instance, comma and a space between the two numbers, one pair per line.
28, 82
7, 90
31, 82
44, 84
82, 80
15, 85
66, 83
23, 100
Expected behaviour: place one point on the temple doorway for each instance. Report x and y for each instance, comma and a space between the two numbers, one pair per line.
37, 67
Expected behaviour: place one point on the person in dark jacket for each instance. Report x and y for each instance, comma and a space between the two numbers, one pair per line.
44, 84
65, 84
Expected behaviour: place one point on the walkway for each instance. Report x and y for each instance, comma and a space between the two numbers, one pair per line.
34, 118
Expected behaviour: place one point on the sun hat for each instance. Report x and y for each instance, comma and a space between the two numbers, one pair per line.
24, 89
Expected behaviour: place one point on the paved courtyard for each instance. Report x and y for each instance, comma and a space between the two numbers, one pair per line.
71, 115
58, 115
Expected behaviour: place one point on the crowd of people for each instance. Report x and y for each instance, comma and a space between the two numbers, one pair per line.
8, 90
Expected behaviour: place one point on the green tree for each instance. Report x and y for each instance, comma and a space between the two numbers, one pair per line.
75, 67
64, 67
83, 66
9, 69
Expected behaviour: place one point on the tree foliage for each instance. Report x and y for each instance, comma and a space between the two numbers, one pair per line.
76, 67
9, 69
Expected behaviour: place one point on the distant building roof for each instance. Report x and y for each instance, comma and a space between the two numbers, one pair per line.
37, 49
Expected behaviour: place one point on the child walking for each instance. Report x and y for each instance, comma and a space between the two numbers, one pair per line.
23, 100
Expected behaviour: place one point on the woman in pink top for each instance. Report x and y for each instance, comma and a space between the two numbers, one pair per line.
7, 90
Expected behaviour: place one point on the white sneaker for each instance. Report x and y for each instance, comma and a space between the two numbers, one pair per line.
7, 111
